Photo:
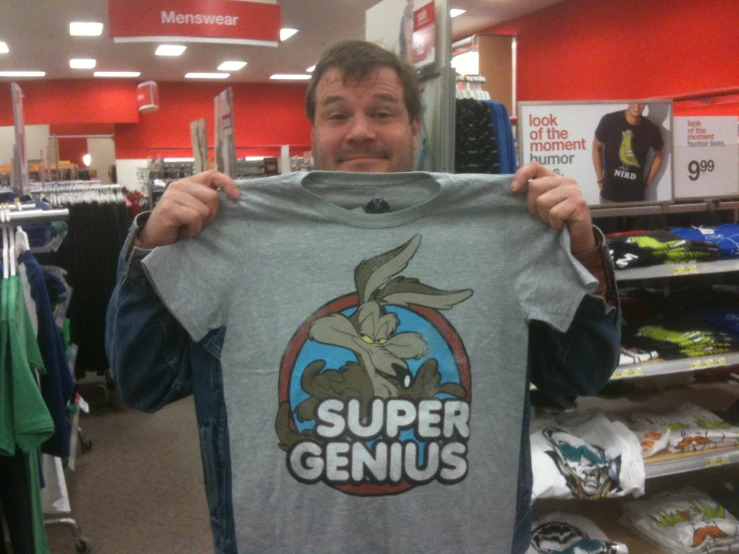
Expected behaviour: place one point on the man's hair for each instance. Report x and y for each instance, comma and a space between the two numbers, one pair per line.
357, 60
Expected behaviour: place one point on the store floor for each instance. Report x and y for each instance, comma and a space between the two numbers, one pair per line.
140, 488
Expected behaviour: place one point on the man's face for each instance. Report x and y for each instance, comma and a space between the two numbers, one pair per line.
636, 109
363, 126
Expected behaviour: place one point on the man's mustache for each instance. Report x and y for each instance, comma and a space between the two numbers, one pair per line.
369, 152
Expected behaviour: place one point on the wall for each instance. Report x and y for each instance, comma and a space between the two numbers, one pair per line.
265, 115
102, 156
37, 137
623, 49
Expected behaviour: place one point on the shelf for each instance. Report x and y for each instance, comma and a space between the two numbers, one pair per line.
677, 270
672, 464
684, 365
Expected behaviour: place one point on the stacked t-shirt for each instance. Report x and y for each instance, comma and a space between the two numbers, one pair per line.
726, 237
684, 522
645, 248
374, 365
561, 533
586, 456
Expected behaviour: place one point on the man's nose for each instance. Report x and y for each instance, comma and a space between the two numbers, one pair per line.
361, 129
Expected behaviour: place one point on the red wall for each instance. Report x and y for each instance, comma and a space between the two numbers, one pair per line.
264, 115
624, 49
69, 101
72, 150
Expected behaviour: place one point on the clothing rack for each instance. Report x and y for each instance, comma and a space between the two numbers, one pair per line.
29, 217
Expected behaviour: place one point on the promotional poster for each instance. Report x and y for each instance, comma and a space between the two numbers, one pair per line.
617, 151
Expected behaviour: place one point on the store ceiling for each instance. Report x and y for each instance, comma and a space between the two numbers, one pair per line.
37, 34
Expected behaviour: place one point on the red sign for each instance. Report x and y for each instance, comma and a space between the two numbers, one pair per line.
147, 96
424, 36
222, 21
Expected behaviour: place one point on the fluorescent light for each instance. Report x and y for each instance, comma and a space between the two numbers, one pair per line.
4, 48
178, 160
207, 75
287, 77
170, 50
86, 159
22, 73
454, 12
85, 29
287, 33
82, 63
231, 66
311, 69
117, 73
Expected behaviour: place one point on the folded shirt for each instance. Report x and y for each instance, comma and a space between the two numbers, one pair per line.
684, 522
561, 533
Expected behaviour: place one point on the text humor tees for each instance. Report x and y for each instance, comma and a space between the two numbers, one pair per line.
374, 365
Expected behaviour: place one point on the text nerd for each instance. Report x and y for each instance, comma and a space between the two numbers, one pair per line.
198, 19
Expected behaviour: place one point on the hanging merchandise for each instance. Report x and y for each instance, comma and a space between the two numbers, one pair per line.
585, 456
483, 138
98, 224
684, 522
560, 533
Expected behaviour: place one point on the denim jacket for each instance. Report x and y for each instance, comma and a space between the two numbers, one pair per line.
155, 362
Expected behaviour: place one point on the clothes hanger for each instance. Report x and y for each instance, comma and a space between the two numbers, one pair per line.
6, 269
11, 243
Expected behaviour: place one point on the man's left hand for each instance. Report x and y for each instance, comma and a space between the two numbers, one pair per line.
557, 201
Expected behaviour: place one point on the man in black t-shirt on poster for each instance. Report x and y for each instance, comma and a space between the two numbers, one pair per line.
622, 141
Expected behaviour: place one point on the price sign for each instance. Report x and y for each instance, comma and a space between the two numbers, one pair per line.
706, 156
717, 461
710, 362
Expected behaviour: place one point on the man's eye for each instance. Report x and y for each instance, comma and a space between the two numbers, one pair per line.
336, 117
383, 115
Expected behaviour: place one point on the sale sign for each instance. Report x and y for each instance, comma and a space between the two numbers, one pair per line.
220, 21
706, 156
424, 36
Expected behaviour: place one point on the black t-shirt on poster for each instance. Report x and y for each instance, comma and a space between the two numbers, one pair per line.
625, 157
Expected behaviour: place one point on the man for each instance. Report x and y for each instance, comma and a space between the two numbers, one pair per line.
620, 147
364, 107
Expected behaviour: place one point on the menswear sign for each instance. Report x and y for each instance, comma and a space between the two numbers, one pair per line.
222, 21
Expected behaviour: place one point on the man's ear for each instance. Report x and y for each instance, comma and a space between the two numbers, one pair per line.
415, 128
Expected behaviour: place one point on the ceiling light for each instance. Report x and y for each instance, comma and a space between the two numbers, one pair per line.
117, 73
287, 77
86, 159
454, 12
85, 29
207, 75
170, 50
287, 33
82, 63
311, 69
178, 160
4, 48
231, 66
22, 73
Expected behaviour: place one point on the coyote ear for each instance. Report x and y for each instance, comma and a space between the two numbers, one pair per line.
371, 274
413, 292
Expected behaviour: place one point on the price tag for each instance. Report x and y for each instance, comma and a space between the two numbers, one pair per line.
717, 461
685, 269
710, 362
706, 156
627, 372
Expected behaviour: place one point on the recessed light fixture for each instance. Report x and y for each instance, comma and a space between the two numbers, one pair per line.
85, 29
207, 75
22, 73
288, 77
231, 66
82, 63
287, 33
4, 48
311, 69
170, 50
117, 73
454, 12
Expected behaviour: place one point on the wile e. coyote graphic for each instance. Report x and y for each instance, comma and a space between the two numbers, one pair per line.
711, 530
371, 399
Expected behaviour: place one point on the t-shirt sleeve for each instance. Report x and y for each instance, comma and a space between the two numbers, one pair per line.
196, 278
657, 143
600, 130
547, 279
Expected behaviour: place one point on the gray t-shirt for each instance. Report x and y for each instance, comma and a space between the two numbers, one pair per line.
374, 365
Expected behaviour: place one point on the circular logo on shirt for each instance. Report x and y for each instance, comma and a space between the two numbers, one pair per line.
374, 388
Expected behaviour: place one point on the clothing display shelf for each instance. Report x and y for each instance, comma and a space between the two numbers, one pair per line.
677, 270
686, 205
672, 464
670, 367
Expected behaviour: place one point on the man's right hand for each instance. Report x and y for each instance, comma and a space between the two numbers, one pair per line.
185, 207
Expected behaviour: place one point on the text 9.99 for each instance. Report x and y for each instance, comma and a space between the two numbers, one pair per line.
695, 168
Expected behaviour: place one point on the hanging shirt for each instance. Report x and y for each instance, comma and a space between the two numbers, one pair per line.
374, 365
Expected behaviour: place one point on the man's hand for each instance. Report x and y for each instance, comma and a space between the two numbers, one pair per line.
557, 201
185, 207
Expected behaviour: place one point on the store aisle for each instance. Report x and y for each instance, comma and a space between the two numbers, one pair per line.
140, 488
